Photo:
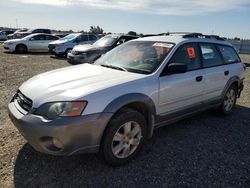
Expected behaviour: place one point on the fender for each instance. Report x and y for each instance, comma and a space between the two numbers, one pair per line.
124, 100
229, 83
23, 45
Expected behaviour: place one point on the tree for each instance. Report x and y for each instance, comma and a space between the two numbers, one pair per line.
132, 33
236, 38
96, 30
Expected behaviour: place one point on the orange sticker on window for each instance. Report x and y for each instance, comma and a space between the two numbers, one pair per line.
191, 53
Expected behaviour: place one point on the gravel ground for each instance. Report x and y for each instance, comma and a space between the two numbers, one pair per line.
207, 150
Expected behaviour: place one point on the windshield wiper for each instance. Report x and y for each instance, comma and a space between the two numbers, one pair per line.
114, 67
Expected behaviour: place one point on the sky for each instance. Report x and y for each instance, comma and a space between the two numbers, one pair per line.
227, 18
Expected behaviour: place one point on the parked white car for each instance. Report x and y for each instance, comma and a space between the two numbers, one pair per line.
30, 43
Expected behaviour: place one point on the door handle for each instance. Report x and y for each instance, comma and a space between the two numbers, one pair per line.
226, 73
199, 78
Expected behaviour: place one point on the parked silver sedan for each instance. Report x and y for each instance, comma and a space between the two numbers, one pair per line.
30, 43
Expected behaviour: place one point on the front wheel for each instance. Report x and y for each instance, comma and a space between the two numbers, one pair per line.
229, 100
124, 137
21, 49
67, 51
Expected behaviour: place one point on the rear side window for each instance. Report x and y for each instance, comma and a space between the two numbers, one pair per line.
210, 56
48, 37
39, 37
189, 55
229, 55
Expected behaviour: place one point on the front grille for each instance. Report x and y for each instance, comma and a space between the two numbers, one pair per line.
23, 101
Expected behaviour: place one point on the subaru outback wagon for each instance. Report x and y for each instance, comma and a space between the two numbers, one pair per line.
115, 104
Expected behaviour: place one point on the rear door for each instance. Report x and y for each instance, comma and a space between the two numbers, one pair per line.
183, 90
48, 39
216, 72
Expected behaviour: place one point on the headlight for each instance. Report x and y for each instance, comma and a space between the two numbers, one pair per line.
83, 54
61, 109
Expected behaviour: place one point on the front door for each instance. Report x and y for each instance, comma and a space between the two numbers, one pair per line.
182, 90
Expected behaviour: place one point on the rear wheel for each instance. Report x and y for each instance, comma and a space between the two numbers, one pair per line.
229, 100
21, 49
124, 137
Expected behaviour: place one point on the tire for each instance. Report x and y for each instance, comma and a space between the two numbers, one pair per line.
229, 100
21, 49
119, 147
67, 51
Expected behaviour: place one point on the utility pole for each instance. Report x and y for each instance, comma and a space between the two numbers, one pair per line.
16, 23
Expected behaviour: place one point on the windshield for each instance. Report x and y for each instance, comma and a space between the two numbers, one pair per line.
108, 40
69, 37
136, 56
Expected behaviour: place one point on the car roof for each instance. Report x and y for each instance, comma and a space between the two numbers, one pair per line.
180, 38
35, 34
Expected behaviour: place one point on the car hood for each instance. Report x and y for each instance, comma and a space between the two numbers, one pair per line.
13, 40
73, 83
86, 47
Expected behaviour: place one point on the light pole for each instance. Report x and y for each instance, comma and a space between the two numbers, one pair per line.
16, 23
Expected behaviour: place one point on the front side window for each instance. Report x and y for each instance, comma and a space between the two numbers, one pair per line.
229, 55
210, 56
136, 56
82, 38
189, 55
92, 37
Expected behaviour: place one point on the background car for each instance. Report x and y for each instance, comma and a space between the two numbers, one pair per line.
4, 34
60, 35
22, 34
62, 46
89, 53
30, 43
13, 35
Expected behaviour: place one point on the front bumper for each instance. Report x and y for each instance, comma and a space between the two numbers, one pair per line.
81, 134
55, 51
76, 59
10, 48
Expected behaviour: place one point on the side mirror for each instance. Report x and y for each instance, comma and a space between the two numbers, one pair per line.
174, 68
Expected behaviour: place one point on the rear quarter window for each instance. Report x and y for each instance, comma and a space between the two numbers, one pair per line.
229, 54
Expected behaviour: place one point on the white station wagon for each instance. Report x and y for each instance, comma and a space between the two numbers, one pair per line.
115, 104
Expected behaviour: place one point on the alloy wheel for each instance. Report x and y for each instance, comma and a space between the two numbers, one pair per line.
126, 139
229, 100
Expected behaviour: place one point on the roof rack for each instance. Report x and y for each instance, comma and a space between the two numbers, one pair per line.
200, 35
192, 35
